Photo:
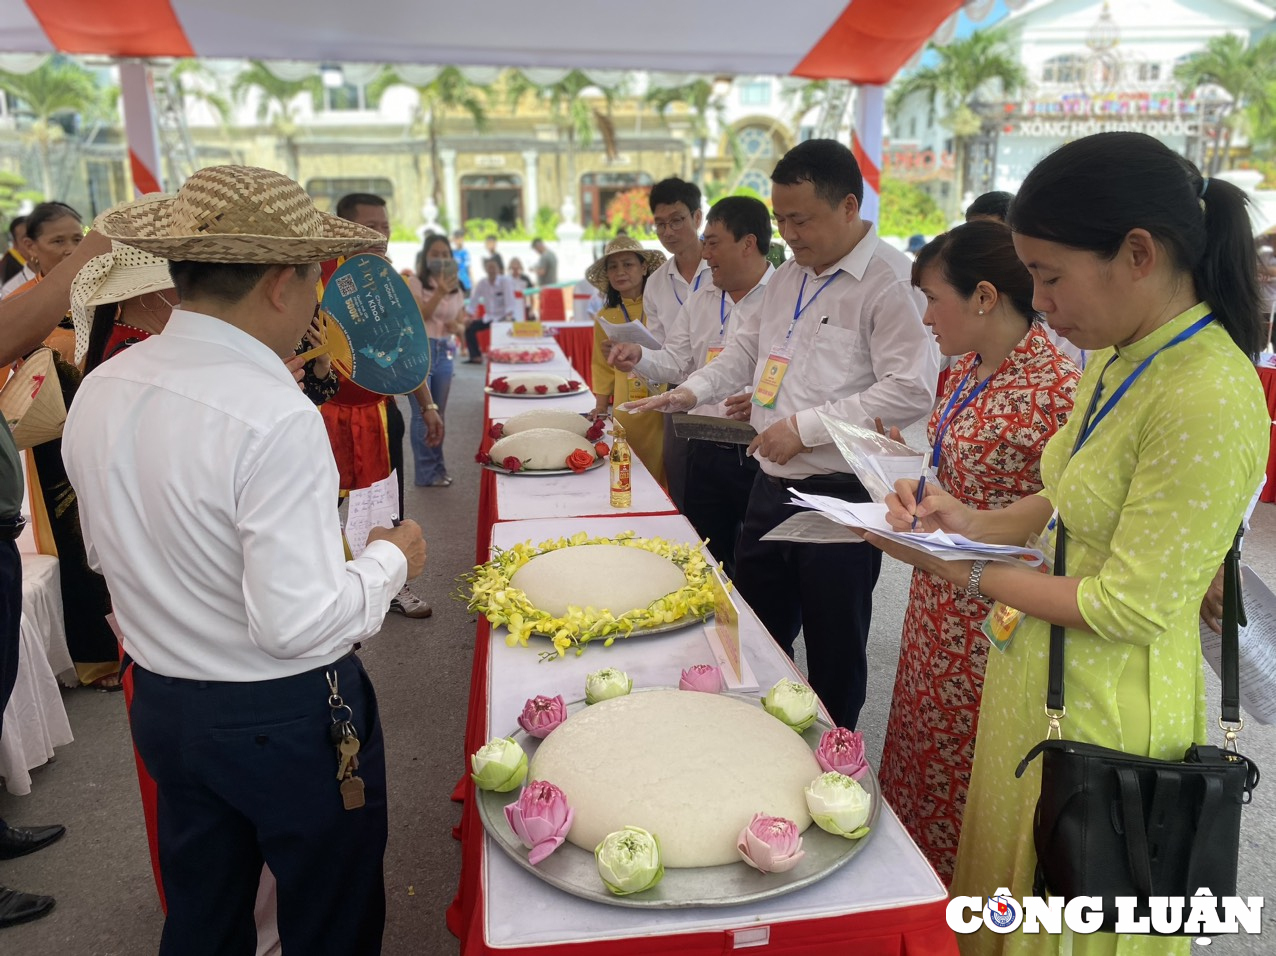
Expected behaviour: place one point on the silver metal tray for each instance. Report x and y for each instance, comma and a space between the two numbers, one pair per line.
541, 473
554, 394
574, 871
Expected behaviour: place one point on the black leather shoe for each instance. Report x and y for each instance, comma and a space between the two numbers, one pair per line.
16, 907
19, 841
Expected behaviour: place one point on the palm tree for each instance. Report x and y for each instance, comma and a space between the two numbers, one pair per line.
277, 104
698, 95
59, 88
963, 68
1245, 72
448, 92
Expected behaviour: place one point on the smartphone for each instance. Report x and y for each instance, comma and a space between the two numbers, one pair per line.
442, 267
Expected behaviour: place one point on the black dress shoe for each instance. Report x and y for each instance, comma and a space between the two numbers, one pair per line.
16, 907
19, 841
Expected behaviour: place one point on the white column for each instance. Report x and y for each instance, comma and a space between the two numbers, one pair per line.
451, 189
137, 100
531, 190
866, 143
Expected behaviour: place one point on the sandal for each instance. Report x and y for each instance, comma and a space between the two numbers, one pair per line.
107, 684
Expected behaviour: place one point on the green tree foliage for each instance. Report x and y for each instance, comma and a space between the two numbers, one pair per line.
276, 104
703, 105
13, 193
907, 210
1247, 72
58, 89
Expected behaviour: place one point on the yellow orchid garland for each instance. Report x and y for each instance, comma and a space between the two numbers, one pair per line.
492, 595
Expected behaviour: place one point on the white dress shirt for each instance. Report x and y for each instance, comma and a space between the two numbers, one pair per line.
498, 297
708, 320
667, 291
859, 351
208, 498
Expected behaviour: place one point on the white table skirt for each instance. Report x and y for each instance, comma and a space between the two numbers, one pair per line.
564, 496
523, 911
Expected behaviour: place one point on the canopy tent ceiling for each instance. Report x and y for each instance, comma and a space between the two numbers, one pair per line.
864, 41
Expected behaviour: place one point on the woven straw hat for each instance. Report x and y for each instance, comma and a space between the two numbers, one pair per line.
31, 401
116, 276
236, 214
596, 275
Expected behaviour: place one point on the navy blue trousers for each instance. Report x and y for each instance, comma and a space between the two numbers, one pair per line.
823, 590
246, 773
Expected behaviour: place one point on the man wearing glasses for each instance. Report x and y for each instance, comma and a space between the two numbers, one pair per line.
675, 206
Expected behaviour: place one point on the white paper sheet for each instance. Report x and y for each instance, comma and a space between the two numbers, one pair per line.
1257, 649
376, 506
634, 332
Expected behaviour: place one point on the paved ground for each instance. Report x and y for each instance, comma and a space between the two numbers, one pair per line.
101, 872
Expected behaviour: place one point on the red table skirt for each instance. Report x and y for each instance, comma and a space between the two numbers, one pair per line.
578, 346
1268, 377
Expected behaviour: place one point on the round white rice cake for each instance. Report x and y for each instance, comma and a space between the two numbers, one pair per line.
540, 449
606, 577
532, 379
690, 768
546, 418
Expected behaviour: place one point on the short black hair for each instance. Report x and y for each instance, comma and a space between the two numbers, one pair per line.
538, 241
994, 205
221, 281
827, 165
347, 204
48, 212
14, 223
491, 238
667, 192
744, 216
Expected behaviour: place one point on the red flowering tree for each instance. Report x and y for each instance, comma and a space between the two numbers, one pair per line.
632, 210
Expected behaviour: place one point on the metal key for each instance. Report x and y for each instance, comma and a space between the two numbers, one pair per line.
352, 793
348, 748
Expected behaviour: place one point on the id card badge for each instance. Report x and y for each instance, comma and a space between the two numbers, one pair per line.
638, 387
713, 352
777, 364
1003, 620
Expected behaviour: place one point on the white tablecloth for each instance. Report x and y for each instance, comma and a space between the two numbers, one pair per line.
522, 910
564, 496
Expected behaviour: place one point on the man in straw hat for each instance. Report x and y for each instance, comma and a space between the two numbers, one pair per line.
206, 489
24, 322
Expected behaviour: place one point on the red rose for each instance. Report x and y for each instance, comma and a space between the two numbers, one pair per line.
483, 458
573, 386
512, 464
500, 384
542, 389
602, 449
564, 388
596, 430
579, 460
521, 390
496, 431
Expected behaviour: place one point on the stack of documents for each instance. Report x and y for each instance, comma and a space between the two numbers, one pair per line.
947, 547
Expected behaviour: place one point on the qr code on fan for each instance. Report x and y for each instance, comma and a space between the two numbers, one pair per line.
346, 285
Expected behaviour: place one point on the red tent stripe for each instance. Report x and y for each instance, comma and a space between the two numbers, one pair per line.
118, 27
872, 174
872, 39
144, 180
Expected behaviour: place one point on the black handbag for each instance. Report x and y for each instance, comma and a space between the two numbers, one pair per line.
1110, 824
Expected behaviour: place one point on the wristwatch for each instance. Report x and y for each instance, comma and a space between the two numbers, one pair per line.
976, 573
432, 407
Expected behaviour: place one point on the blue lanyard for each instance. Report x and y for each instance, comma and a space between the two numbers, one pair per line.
947, 417
799, 307
723, 315
674, 282
624, 310
1089, 424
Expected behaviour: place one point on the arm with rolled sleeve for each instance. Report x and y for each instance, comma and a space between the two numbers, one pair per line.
905, 365
675, 361
733, 370
302, 599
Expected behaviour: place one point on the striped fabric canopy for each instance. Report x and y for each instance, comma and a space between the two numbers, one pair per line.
864, 41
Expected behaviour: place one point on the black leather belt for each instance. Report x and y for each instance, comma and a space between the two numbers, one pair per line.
11, 528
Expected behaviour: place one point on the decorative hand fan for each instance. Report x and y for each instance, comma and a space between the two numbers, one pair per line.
31, 401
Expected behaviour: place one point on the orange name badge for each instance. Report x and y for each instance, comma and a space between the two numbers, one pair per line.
772, 377
713, 353
637, 387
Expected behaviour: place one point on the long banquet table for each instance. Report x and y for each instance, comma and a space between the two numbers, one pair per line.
886, 902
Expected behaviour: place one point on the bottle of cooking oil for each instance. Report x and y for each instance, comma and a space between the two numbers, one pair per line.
621, 495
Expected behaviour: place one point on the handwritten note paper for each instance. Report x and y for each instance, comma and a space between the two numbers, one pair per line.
1257, 649
376, 506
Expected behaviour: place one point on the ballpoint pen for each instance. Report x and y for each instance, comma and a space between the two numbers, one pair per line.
921, 490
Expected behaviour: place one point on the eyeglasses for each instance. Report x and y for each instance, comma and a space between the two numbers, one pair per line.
677, 222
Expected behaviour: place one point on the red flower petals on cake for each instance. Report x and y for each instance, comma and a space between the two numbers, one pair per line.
572, 386
542, 389
602, 450
496, 431
521, 390
513, 356
483, 458
512, 464
500, 384
579, 460
596, 430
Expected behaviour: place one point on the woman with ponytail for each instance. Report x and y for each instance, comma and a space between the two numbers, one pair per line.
1151, 268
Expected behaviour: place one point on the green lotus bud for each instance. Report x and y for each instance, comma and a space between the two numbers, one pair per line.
629, 861
500, 765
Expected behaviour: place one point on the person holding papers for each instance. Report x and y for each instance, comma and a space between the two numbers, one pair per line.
1010, 390
839, 331
621, 276
1139, 259
719, 475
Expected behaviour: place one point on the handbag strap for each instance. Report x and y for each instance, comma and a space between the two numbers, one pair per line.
1233, 614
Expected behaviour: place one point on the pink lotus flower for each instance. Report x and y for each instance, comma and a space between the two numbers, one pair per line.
542, 714
540, 818
842, 751
702, 677
770, 844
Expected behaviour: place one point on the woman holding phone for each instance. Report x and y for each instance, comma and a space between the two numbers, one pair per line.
443, 308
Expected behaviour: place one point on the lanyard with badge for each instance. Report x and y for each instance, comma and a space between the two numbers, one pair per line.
637, 385
777, 363
674, 284
716, 350
1002, 621
950, 415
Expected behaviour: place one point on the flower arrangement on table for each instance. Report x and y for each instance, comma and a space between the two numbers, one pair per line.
578, 461
492, 595
524, 356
